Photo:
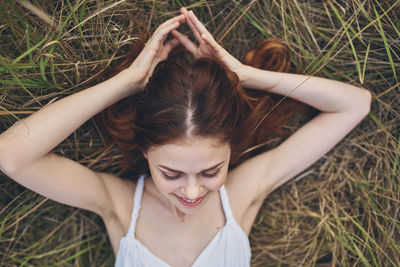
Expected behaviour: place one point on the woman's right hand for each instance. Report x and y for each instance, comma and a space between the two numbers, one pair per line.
154, 51
207, 47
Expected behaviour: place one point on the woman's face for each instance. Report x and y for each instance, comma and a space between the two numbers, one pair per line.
186, 172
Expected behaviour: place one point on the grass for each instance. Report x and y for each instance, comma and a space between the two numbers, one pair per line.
342, 211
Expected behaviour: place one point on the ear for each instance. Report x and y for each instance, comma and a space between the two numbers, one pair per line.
145, 154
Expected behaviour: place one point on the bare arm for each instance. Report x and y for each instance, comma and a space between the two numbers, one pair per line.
26, 158
321, 93
25, 147
33, 137
342, 107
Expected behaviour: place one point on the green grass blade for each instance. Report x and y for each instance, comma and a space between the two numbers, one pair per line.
8, 66
28, 52
365, 64
387, 47
346, 27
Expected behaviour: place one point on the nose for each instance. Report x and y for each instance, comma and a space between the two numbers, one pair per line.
193, 188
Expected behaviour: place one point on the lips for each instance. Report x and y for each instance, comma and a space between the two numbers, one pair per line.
190, 202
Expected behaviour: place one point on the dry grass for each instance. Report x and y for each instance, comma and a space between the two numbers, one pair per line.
343, 211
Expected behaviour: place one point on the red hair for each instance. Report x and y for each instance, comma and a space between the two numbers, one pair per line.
199, 98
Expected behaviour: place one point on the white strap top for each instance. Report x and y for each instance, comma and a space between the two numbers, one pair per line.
229, 247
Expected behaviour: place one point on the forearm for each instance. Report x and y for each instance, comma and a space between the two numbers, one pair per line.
323, 94
36, 135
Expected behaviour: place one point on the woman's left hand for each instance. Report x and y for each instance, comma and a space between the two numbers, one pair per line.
207, 47
155, 50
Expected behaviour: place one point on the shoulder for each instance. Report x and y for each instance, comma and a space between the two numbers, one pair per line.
118, 219
121, 193
247, 187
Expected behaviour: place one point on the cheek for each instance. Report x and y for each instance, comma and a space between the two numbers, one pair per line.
164, 185
215, 183
222, 181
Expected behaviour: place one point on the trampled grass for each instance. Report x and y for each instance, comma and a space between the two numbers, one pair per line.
342, 211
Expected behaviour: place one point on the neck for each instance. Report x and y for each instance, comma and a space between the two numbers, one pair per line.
178, 214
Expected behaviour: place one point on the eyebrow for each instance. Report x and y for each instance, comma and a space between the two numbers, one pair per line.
208, 169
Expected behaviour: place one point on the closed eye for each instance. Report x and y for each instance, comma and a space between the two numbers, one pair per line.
171, 178
210, 175
205, 174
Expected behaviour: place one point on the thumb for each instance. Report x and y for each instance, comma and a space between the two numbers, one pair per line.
185, 41
171, 44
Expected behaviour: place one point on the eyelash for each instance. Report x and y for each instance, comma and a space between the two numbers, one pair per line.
171, 178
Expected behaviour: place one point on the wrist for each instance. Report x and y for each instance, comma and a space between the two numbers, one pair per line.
259, 79
129, 82
243, 75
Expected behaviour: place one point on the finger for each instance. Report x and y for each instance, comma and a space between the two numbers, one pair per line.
200, 28
171, 44
191, 26
211, 43
180, 19
162, 34
185, 41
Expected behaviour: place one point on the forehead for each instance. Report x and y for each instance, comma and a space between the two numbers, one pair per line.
189, 154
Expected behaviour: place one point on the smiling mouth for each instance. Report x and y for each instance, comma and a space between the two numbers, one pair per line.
190, 202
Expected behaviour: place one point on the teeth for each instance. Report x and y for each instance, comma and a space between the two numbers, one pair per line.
190, 201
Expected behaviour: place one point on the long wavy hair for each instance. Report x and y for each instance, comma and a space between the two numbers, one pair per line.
201, 98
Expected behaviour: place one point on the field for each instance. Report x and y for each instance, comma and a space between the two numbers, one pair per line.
342, 211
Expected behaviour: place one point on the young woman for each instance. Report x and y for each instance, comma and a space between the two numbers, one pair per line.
187, 123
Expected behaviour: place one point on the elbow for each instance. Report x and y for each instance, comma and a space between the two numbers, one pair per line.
8, 163
7, 167
8, 151
362, 105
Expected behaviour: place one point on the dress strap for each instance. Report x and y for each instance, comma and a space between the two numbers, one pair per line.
226, 206
136, 205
